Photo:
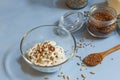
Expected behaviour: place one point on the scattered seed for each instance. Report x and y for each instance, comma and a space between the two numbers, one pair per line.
83, 68
85, 79
92, 72
78, 63
84, 38
60, 75
80, 40
83, 76
83, 64
81, 46
68, 77
46, 78
64, 76
79, 57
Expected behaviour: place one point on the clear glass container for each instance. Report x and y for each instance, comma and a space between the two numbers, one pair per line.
101, 21
39, 34
76, 4
72, 21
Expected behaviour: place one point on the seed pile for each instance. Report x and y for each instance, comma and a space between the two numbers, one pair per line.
99, 27
93, 59
46, 53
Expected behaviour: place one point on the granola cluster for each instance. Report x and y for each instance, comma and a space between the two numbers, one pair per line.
46, 53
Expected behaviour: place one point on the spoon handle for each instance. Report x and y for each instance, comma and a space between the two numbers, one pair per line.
111, 50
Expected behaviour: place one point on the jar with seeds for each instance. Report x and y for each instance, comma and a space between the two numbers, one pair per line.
102, 20
76, 4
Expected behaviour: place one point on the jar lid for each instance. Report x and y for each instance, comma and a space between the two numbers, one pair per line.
72, 21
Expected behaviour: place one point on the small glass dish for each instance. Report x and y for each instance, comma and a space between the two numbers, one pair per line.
60, 35
72, 21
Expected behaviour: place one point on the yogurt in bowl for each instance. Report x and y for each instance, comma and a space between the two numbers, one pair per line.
46, 53
46, 48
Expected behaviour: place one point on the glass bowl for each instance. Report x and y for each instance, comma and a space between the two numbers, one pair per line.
72, 20
39, 34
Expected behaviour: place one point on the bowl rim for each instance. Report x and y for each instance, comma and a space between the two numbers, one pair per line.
28, 61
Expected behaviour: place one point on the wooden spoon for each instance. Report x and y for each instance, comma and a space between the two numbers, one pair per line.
96, 58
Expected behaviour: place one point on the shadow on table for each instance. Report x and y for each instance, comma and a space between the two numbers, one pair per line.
15, 67
49, 3
28, 69
83, 33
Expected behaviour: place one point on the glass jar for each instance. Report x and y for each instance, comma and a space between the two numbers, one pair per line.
72, 21
101, 21
76, 4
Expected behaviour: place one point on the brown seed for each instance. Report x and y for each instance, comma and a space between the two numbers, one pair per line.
81, 46
51, 48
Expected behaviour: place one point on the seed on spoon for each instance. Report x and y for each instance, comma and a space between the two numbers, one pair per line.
96, 58
93, 59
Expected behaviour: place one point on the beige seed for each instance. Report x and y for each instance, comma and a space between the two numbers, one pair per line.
64, 76
78, 63
92, 72
83, 68
83, 75
83, 64
84, 38
68, 77
85, 79
60, 75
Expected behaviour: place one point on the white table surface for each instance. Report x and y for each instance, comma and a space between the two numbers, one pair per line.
18, 16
